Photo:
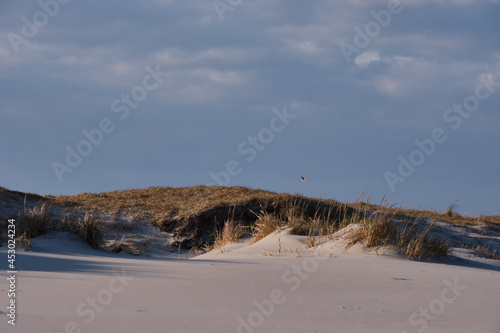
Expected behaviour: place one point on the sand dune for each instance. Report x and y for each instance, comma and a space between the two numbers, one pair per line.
277, 284
64, 286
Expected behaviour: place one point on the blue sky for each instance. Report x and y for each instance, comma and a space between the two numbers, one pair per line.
254, 93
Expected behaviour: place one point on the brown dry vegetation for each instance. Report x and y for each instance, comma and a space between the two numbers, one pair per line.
6, 194
90, 231
195, 214
449, 215
181, 201
231, 232
265, 224
124, 244
411, 241
211, 216
33, 222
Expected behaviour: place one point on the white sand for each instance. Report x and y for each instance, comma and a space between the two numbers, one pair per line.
234, 291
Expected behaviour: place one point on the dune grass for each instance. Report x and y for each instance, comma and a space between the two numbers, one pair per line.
90, 230
231, 232
449, 215
411, 240
487, 251
125, 244
192, 216
32, 222
265, 224
163, 203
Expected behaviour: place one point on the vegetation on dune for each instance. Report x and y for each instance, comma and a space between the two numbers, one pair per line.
36, 221
411, 240
209, 217
194, 215
32, 223
449, 215
90, 231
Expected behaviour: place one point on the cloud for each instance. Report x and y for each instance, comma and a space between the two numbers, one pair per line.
366, 58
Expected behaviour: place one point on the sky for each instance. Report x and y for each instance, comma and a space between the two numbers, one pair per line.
391, 98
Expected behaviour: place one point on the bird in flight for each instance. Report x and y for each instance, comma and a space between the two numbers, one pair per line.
304, 180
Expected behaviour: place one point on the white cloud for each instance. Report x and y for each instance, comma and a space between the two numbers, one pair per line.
410, 76
306, 46
176, 56
122, 68
366, 58
225, 77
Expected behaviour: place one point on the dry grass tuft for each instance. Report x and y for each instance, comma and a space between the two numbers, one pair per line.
266, 224
231, 233
24, 241
90, 231
125, 245
206, 248
33, 222
487, 251
68, 225
410, 240
417, 244
311, 240
373, 232
450, 210
380, 232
